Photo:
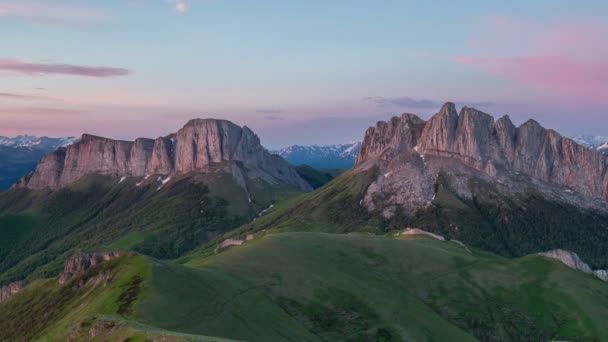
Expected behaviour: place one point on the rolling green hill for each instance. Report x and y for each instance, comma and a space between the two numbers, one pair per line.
318, 286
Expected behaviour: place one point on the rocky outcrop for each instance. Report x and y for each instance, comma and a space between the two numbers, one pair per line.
9, 290
416, 231
602, 274
227, 244
81, 263
569, 259
573, 261
194, 148
472, 139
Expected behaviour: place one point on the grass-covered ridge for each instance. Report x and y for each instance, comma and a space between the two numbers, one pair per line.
327, 287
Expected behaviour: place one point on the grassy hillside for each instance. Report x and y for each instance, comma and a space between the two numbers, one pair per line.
505, 224
315, 177
40, 229
322, 287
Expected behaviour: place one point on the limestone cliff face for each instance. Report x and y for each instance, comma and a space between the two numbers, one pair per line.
410, 153
194, 148
472, 139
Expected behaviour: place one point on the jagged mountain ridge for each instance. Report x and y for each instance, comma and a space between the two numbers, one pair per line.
340, 156
197, 145
412, 152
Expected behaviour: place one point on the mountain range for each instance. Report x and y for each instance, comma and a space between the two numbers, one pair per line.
597, 142
461, 227
341, 156
37, 143
20, 155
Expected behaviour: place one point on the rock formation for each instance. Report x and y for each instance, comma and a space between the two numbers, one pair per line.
10, 290
196, 147
411, 152
573, 261
80, 263
569, 259
227, 244
416, 231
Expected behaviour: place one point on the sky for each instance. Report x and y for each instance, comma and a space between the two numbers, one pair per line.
296, 72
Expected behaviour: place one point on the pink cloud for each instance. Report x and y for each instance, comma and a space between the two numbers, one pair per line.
566, 58
18, 66
587, 81
55, 13
181, 7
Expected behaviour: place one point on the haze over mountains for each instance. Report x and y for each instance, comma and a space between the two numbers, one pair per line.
206, 221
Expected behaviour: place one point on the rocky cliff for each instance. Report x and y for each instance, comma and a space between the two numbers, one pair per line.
194, 148
411, 152
9, 290
78, 264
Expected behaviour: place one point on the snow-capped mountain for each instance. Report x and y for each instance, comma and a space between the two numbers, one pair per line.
598, 142
19, 155
34, 142
341, 156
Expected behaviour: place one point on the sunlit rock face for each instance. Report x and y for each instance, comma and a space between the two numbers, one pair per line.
194, 148
410, 154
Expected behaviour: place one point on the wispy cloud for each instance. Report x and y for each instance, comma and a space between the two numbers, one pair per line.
268, 111
15, 65
583, 80
41, 111
566, 58
21, 96
45, 11
408, 102
273, 117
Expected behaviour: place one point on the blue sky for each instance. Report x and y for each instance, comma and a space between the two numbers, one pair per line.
296, 72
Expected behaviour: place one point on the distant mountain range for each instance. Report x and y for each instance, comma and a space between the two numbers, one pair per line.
340, 156
34, 142
597, 142
343, 156
19, 155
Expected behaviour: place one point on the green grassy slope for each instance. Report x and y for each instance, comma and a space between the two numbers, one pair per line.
100, 310
322, 287
316, 178
505, 224
338, 285
40, 229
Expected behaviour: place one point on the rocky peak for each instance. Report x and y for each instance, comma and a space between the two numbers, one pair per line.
505, 132
474, 141
81, 263
400, 133
194, 148
440, 131
472, 138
